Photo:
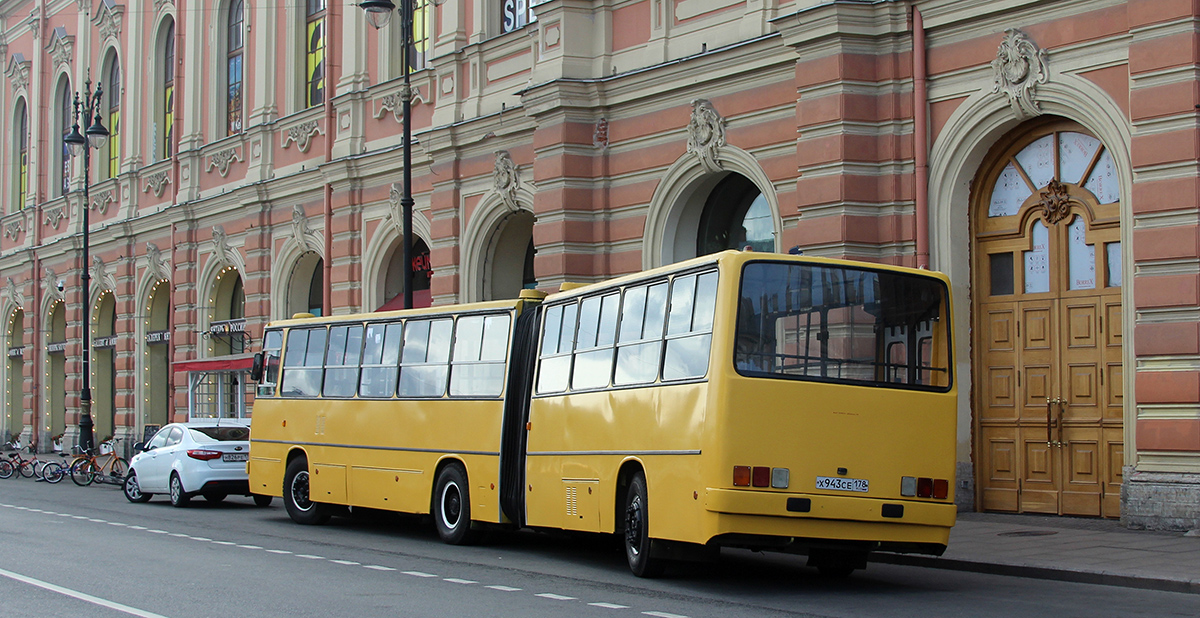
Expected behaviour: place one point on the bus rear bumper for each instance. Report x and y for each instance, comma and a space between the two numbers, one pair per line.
907, 526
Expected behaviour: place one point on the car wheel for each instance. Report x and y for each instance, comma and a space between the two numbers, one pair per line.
300, 508
215, 496
452, 506
179, 497
637, 531
261, 500
133, 491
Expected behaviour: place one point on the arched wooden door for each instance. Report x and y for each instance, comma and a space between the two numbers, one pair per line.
1047, 324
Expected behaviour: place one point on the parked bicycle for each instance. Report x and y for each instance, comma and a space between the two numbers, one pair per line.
107, 467
54, 471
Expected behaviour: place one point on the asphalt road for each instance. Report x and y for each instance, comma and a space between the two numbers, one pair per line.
71, 551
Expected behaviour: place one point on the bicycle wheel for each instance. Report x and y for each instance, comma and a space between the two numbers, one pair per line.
116, 474
26, 469
53, 472
6, 469
83, 473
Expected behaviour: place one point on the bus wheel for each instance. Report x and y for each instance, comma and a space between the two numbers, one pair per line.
452, 506
637, 531
295, 496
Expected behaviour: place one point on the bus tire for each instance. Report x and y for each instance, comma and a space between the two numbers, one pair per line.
299, 507
262, 501
637, 531
452, 506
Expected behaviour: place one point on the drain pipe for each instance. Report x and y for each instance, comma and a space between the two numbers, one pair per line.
920, 138
332, 74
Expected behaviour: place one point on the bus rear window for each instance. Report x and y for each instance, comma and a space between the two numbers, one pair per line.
839, 324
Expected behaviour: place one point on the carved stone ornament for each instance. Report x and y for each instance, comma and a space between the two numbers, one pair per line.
221, 249
54, 215
62, 47
396, 207
506, 178
1018, 68
50, 287
101, 275
1055, 202
18, 72
13, 228
222, 160
157, 182
13, 293
395, 102
304, 235
706, 135
108, 19
158, 4
157, 266
302, 134
101, 201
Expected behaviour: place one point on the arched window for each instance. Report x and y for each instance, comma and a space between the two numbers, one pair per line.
66, 119
736, 216
233, 72
314, 72
22, 155
112, 91
168, 92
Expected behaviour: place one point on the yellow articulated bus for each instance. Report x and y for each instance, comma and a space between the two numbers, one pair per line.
740, 399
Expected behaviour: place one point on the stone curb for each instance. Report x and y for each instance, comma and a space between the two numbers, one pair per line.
1040, 572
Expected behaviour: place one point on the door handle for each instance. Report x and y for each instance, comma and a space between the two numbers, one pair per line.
1061, 405
1053, 422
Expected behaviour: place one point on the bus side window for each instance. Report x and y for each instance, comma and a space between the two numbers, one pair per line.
424, 361
302, 362
272, 345
381, 354
689, 331
639, 347
558, 337
341, 362
594, 344
480, 348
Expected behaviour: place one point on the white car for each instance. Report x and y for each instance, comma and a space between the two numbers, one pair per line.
184, 460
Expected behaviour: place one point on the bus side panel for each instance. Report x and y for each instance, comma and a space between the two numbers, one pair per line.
267, 459
578, 443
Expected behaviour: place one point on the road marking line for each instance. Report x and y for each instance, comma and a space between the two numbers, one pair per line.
99, 521
346, 562
157, 531
310, 557
223, 543
278, 551
556, 597
377, 567
419, 574
455, 580
663, 615
178, 535
75, 594
504, 588
249, 547
200, 538
609, 605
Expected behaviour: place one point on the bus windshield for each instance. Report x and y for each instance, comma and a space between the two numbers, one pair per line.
840, 324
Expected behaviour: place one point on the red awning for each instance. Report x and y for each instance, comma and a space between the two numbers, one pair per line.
421, 299
234, 362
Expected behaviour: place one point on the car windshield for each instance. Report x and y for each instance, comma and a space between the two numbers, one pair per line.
228, 433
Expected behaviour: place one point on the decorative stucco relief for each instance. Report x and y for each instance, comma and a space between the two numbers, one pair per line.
62, 48
12, 293
54, 215
394, 102
222, 160
706, 135
108, 19
302, 134
1018, 68
51, 288
506, 179
18, 72
157, 267
157, 182
224, 254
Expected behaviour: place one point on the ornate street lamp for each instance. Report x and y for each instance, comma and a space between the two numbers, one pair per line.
379, 13
97, 137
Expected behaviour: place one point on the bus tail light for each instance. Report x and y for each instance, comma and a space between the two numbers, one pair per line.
762, 476
741, 476
203, 454
924, 487
779, 478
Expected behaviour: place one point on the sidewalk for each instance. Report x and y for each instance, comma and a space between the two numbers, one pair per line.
1093, 551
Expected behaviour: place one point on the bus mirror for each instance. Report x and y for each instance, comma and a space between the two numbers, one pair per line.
256, 370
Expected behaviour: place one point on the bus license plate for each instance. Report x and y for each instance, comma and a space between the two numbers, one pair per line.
235, 457
840, 484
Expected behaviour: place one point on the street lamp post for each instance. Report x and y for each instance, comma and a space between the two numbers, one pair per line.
379, 12
97, 136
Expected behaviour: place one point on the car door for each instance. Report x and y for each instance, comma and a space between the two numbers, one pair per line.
154, 471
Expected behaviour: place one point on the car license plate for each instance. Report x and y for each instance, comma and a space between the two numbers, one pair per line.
235, 457
840, 484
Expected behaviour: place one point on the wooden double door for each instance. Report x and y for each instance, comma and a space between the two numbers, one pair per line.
1047, 337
